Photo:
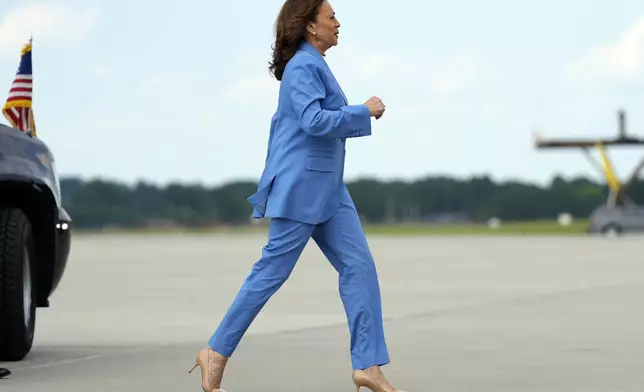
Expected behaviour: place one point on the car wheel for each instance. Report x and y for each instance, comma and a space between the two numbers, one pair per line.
612, 230
17, 285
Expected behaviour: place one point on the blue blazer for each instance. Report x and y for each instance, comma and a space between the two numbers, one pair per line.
303, 176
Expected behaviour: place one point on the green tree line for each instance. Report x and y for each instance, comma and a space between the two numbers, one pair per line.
99, 203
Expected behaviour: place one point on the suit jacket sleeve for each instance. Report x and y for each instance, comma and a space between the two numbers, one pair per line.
306, 92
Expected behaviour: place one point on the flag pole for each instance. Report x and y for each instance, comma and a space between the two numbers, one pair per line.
32, 121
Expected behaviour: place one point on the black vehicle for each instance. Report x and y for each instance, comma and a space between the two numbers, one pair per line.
35, 237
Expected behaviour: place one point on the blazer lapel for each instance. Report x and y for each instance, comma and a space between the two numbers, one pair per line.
309, 48
338, 87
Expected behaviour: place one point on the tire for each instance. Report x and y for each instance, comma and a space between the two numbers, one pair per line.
612, 230
17, 285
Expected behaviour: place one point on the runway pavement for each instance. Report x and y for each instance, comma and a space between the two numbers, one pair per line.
482, 314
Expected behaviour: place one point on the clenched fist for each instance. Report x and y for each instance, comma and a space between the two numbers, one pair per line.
376, 107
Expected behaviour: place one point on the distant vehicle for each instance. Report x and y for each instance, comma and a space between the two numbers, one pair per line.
35, 238
620, 214
616, 220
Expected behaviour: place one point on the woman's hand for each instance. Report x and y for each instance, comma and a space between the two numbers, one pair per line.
376, 107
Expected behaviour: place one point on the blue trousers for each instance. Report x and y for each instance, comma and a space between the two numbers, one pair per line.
343, 242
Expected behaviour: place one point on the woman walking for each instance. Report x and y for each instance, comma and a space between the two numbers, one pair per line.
302, 191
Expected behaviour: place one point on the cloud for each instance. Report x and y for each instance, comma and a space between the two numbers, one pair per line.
618, 61
249, 89
357, 65
51, 25
409, 77
103, 70
466, 70
169, 83
447, 75
360, 65
253, 83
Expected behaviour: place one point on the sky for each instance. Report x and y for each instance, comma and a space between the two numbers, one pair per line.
165, 91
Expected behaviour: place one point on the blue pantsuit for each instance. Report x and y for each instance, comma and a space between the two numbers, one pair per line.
303, 193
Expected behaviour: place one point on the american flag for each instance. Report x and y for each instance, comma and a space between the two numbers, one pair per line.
17, 109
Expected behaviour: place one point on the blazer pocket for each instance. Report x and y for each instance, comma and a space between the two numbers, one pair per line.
320, 164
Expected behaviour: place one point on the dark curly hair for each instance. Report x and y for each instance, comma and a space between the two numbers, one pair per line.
290, 30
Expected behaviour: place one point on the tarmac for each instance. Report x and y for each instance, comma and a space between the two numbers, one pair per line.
484, 314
